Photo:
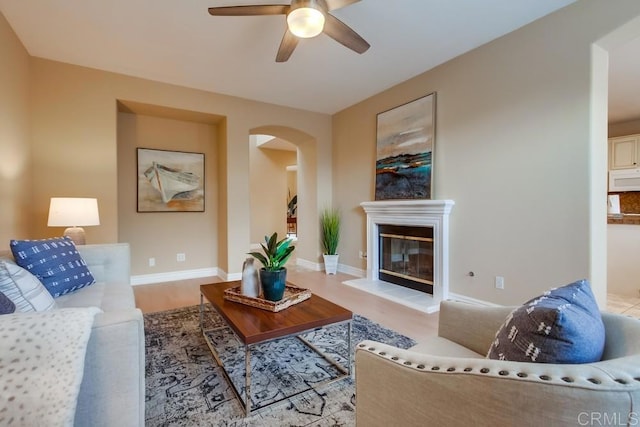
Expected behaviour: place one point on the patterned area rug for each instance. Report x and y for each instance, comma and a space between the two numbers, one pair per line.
185, 386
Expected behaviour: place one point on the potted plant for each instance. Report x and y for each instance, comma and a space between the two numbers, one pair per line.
330, 225
273, 274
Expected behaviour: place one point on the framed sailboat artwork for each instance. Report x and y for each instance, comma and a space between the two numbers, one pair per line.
170, 181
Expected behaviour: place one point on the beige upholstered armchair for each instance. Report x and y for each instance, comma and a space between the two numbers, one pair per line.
447, 381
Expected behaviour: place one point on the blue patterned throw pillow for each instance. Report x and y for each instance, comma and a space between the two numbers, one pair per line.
55, 262
561, 326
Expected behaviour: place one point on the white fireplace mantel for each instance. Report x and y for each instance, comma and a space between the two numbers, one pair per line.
421, 213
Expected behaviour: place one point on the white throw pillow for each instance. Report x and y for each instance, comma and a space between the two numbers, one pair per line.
23, 288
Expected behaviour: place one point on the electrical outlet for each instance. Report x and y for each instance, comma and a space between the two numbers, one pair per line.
499, 282
152, 262
181, 257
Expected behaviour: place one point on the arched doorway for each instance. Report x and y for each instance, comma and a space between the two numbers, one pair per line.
306, 190
273, 171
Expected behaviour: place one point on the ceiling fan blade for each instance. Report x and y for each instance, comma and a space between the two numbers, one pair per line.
287, 45
267, 9
338, 4
343, 34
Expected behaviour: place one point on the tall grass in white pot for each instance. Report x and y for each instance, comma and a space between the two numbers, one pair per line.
330, 230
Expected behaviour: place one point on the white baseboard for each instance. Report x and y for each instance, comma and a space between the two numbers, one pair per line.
342, 268
470, 300
170, 276
229, 277
309, 264
347, 269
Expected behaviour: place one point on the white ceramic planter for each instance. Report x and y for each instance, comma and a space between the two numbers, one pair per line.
330, 263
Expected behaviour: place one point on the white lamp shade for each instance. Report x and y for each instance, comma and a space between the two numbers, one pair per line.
69, 211
305, 22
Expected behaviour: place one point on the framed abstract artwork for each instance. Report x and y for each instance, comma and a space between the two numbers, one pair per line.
404, 150
170, 181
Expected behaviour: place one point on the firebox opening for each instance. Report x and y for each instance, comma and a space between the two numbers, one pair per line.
406, 256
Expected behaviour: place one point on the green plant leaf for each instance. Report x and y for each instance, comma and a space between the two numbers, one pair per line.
276, 253
330, 230
272, 242
259, 257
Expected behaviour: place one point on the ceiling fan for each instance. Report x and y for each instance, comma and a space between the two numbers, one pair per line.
305, 19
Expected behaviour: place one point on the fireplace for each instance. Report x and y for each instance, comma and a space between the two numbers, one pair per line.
406, 256
418, 233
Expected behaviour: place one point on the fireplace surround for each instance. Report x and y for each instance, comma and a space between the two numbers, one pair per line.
406, 256
432, 214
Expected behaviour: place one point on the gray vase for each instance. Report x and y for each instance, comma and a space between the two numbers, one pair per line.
250, 285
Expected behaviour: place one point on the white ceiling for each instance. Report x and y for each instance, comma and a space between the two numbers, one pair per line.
178, 42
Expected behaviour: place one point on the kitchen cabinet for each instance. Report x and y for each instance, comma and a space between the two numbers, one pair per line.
624, 152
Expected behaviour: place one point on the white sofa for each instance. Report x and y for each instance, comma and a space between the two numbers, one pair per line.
447, 381
112, 392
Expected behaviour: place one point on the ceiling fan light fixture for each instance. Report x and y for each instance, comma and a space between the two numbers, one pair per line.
306, 22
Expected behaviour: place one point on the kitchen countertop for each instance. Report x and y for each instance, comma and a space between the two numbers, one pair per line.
633, 219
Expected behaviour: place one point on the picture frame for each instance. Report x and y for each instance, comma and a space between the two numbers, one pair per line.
405, 140
170, 181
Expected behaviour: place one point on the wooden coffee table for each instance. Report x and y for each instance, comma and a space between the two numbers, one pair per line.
253, 326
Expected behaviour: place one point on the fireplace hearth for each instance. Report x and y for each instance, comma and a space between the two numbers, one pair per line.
416, 234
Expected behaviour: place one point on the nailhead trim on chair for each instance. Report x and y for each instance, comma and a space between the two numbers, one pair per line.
485, 370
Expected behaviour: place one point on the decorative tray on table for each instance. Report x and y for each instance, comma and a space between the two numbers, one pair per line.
292, 295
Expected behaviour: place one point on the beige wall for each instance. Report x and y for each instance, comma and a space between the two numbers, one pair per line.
268, 169
74, 131
516, 148
15, 167
161, 235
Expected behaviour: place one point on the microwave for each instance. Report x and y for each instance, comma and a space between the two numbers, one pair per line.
624, 180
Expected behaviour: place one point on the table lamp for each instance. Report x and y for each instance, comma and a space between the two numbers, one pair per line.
73, 213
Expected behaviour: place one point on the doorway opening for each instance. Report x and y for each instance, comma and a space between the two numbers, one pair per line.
274, 190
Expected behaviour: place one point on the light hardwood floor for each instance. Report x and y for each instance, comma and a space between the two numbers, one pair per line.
627, 305
412, 323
